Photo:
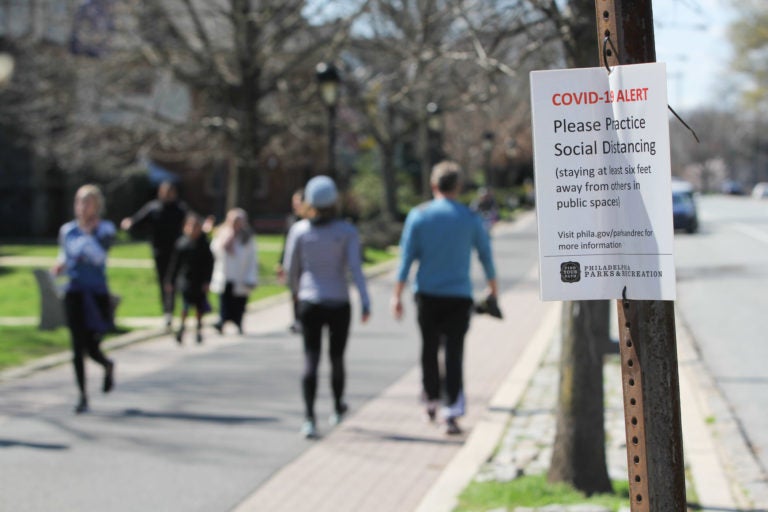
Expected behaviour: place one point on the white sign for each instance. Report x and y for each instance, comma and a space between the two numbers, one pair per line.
603, 183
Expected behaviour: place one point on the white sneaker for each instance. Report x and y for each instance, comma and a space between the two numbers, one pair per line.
338, 416
308, 429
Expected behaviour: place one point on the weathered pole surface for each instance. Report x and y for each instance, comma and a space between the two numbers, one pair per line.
647, 328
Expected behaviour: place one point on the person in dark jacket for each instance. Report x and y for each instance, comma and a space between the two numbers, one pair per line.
164, 218
189, 272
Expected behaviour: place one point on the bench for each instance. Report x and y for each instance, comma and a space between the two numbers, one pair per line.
52, 312
52, 315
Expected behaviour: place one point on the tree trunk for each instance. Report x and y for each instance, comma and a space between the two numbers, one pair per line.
390, 182
578, 456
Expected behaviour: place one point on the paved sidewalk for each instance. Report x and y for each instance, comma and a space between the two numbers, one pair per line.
386, 457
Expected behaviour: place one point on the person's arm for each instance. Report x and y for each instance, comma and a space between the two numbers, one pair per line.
138, 218
397, 300
485, 254
291, 260
356, 268
407, 257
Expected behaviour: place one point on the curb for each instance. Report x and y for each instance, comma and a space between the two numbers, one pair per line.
486, 433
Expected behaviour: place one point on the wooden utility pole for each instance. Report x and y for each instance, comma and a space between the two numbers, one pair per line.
647, 328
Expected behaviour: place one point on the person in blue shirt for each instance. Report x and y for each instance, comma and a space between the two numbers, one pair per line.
440, 235
321, 250
83, 246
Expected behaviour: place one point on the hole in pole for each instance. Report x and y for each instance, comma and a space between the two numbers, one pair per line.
635, 440
632, 401
631, 382
639, 498
630, 363
606, 15
634, 421
636, 459
638, 479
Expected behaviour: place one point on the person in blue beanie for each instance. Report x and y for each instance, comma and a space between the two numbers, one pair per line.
320, 251
83, 246
440, 235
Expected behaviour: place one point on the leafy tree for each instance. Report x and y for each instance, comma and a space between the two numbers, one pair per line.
749, 37
249, 64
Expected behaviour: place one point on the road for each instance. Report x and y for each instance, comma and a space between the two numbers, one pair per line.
198, 427
722, 275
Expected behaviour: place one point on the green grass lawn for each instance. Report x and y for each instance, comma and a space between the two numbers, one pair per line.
534, 491
137, 288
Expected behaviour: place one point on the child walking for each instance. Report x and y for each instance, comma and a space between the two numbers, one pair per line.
190, 272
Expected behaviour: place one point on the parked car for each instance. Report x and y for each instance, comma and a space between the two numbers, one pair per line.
761, 190
684, 213
732, 187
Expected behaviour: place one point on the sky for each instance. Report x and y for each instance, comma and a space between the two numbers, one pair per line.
691, 38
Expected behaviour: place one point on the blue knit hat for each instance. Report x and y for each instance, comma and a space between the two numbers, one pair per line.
321, 192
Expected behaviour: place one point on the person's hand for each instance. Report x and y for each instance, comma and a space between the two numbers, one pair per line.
126, 224
366, 315
280, 271
397, 307
57, 269
208, 224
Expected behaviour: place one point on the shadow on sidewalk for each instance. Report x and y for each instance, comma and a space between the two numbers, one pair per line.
210, 418
12, 443
387, 436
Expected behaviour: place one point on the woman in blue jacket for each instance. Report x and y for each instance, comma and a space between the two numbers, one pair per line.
83, 246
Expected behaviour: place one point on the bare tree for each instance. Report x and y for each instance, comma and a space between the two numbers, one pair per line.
453, 53
251, 65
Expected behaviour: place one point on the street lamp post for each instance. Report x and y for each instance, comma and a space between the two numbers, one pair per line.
328, 80
487, 144
430, 129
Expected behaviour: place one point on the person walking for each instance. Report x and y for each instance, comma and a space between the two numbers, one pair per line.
189, 272
235, 267
83, 246
321, 249
441, 235
164, 217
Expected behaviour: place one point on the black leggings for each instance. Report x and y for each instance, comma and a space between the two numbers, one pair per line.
443, 321
84, 340
313, 318
231, 306
167, 299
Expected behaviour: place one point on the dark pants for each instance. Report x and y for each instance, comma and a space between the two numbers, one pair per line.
162, 261
84, 340
313, 318
444, 321
231, 306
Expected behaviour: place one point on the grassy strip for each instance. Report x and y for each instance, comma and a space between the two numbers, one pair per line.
137, 288
535, 491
